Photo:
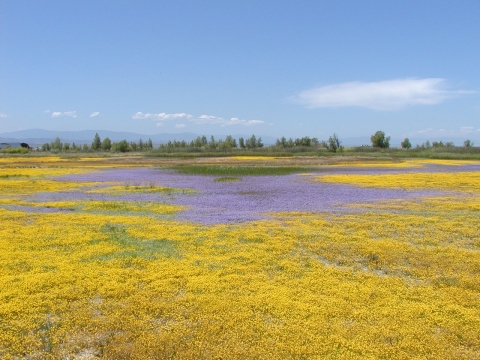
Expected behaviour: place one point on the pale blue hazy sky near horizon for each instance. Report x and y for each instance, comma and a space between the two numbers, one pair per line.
303, 68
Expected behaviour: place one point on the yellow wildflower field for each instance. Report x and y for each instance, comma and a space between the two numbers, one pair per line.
126, 279
466, 181
407, 163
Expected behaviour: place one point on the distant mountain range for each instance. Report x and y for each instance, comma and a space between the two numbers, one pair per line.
37, 137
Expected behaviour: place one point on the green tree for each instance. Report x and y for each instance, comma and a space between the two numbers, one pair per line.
251, 143
241, 143
212, 144
379, 140
334, 144
97, 143
223, 145
149, 144
282, 142
304, 141
198, 142
437, 144
259, 142
406, 144
232, 143
106, 144
121, 146
468, 143
56, 144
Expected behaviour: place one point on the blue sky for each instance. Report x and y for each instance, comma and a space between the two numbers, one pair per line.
303, 68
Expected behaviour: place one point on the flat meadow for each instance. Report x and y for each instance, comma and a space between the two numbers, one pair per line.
239, 257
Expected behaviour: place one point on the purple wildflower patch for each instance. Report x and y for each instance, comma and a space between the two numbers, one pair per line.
250, 199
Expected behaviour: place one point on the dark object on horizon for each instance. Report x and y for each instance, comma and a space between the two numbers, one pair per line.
14, 145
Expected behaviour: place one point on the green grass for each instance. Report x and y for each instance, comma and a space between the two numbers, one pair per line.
447, 153
8, 176
14, 151
183, 154
454, 153
131, 248
227, 179
240, 170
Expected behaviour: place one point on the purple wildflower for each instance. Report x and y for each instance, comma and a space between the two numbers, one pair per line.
246, 200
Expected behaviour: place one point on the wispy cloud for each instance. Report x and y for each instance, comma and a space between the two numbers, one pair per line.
209, 119
161, 116
381, 95
468, 130
237, 121
199, 120
46, 111
3, 115
95, 114
72, 114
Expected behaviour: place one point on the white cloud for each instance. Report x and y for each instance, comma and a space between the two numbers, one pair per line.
161, 116
426, 131
72, 114
381, 95
3, 115
95, 114
467, 129
209, 119
200, 120
237, 121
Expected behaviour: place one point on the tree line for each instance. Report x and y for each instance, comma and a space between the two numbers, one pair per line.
201, 143
381, 141
98, 145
